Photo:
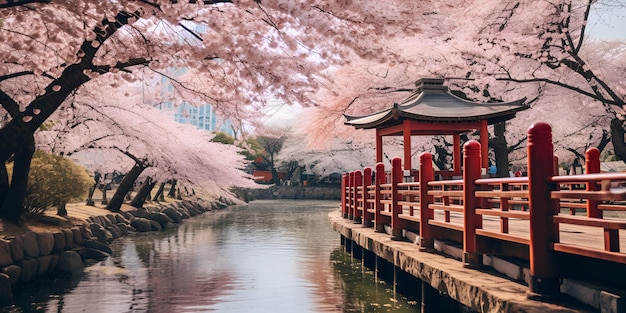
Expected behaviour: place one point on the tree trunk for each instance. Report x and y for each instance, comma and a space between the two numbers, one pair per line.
275, 178
90, 201
500, 152
27, 122
143, 193
159, 194
617, 139
4, 182
125, 186
441, 156
172, 192
105, 201
13, 203
16, 136
61, 210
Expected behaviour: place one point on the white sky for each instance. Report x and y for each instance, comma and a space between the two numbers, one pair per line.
608, 23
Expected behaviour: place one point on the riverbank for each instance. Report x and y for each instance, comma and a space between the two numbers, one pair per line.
293, 192
50, 245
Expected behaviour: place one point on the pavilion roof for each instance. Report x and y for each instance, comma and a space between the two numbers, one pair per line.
433, 103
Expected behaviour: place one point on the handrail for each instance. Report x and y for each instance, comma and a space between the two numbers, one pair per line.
480, 211
583, 178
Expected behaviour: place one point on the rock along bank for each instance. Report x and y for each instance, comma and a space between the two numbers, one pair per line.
31, 255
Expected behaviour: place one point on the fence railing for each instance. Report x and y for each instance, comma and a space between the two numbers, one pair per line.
528, 218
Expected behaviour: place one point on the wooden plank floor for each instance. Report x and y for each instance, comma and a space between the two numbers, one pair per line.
586, 236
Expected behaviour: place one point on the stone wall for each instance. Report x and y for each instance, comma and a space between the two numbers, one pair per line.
295, 192
31, 255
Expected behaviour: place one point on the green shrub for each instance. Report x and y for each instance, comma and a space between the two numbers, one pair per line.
54, 181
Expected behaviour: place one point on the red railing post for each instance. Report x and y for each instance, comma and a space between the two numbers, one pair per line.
396, 209
358, 182
351, 191
592, 166
544, 282
378, 206
367, 181
471, 221
344, 186
426, 175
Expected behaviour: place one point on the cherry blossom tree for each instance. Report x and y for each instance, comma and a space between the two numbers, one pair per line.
515, 45
158, 147
50, 49
497, 51
240, 53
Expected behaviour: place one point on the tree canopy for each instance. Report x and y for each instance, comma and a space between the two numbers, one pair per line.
337, 57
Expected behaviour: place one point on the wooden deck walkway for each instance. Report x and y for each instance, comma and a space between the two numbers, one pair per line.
564, 227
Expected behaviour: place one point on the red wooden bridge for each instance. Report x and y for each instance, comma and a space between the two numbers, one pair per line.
562, 226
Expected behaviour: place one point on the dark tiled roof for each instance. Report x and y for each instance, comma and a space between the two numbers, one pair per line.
432, 102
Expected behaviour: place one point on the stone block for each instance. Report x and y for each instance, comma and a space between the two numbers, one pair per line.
69, 238
111, 219
115, 231
94, 244
17, 248
507, 268
124, 229
6, 258
141, 224
155, 226
127, 216
120, 218
173, 214
582, 292
77, 236
6, 296
140, 213
104, 221
95, 254
448, 249
411, 236
70, 263
612, 302
44, 264
30, 244
59, 242
46, 243
161, 218
87, 235
14, 272
100, 233
30, 268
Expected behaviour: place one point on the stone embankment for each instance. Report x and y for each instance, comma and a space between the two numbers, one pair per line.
31, 255
295, 192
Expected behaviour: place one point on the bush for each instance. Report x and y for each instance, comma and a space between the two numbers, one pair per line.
54, 181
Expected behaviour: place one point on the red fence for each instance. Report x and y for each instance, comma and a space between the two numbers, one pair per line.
526, 218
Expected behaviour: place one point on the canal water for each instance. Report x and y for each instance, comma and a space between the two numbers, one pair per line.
267, 256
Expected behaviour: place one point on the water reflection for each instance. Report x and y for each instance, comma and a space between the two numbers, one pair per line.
268, 256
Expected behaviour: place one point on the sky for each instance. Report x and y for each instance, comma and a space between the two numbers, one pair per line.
607, 23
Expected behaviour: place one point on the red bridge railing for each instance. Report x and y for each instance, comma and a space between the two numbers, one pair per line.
526, 218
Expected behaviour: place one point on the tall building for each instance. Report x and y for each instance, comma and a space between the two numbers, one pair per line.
203, 117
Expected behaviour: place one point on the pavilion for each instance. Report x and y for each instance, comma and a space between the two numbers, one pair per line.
432, 110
